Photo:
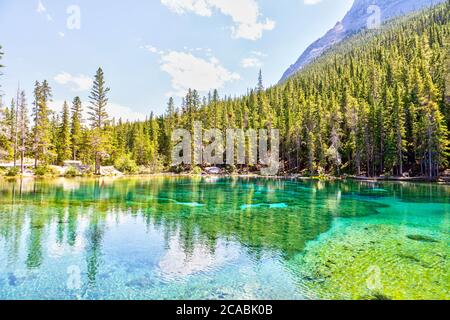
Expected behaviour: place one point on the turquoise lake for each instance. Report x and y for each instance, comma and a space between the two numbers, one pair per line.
223, 238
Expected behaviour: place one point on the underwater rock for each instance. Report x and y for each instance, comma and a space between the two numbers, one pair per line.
139, 283
12, 280
313, 279
309, 278
265, 205
104, 276
187, 204
377, 296
190, 204
278, 206
410, 258
418, 237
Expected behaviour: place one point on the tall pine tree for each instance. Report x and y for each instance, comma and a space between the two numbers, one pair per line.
76, 127
99, 119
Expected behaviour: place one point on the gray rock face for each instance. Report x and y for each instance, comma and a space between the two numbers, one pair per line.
356, 20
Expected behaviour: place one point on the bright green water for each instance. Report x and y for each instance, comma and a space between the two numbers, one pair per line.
204, 238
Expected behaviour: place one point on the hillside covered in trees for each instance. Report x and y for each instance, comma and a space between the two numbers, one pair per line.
377, 104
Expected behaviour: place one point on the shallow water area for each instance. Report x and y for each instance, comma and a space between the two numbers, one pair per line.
226, 238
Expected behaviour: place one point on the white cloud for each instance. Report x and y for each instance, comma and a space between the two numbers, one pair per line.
114, 110
177, 264
200, 7
244, 13
41, 8
118, 111
311, 2
251, 63
77, 83
150, 48
188, 71
61, 34
259, 54
254, 61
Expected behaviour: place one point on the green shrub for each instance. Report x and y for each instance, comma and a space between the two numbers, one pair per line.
197, 170
42, 171
177, 169
12, 172
72, 172
126, 165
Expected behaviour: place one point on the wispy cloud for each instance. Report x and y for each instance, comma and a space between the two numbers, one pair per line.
41, 9
254, 60
78, 83
150, 48
259, 54
311, 2
251, 63
245, 14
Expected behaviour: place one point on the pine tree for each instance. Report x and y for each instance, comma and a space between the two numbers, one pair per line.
42, 146
12, 128
399, 128
169, 126
99, 119
23, 129
76, 127
16, 128
335, 137
260, 86
1, 66
4, 114
64, 137
98, 98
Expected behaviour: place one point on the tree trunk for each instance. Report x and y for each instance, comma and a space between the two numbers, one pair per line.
16, 116
97, 163
358, 163
22, 168
36, 160
430, 156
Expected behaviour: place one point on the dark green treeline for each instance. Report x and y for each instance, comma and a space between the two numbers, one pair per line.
379, 103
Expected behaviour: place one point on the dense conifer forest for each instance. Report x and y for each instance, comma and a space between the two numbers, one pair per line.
377, 104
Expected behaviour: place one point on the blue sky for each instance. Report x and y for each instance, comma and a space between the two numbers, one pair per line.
153, 49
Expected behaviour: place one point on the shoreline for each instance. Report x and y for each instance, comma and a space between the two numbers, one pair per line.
441, 181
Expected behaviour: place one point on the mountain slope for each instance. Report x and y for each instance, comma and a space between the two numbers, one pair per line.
354, 21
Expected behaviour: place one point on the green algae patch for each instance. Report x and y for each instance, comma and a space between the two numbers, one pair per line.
374, 262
